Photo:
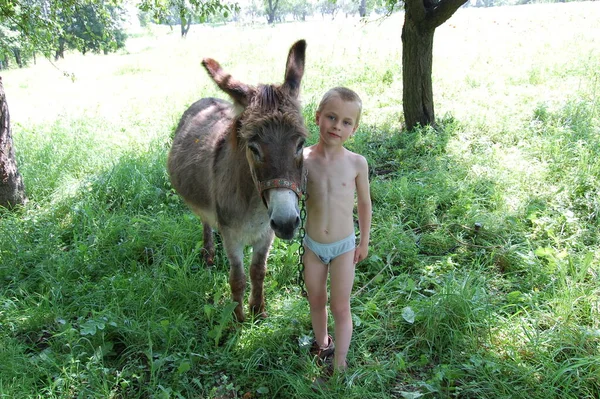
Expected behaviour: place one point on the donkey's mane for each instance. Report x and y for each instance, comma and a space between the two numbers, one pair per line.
270, 107
268, 97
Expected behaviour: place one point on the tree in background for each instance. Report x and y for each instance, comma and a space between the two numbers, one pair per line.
421, 18
11, 45
271, 9
327, 7
14, 44
91, 29
350, 7
185, 12
300, 9
255, 9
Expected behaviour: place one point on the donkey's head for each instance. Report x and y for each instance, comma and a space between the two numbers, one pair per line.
270, 129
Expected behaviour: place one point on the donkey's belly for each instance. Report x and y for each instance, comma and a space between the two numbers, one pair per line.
248, 227
207, 215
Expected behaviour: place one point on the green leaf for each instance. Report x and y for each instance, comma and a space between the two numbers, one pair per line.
90, 327
410, 395
514, 297
408, 314
184, 367
263, 390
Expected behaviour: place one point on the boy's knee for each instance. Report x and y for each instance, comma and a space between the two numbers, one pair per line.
317, 300
340, 310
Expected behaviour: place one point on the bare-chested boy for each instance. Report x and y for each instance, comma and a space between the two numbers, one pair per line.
335, 174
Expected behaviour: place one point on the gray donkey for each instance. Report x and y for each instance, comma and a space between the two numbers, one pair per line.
239, 168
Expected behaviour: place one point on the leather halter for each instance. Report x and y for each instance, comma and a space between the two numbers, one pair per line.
296, 187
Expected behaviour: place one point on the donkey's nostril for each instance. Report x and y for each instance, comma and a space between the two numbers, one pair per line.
285, 229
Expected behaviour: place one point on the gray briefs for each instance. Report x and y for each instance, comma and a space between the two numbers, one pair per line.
328, 252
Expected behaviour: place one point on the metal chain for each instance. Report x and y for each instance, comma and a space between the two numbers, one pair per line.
302, 234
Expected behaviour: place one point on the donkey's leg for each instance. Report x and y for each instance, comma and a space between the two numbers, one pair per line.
258, 269
237, 277
209, 245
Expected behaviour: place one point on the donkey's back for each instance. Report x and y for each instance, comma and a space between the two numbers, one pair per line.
202, 127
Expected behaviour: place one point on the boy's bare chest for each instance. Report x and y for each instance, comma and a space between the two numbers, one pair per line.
327, 178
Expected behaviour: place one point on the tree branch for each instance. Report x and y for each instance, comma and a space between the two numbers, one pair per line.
441, 12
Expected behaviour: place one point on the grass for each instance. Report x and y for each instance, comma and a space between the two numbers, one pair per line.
482, 280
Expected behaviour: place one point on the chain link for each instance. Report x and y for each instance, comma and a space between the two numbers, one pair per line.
302, 234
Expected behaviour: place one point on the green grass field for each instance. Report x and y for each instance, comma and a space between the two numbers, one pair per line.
103, 293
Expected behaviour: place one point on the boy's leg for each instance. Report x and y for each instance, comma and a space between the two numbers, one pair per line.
315, 278
342, 279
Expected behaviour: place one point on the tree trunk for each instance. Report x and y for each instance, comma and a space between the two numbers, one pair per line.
421, 18
60, 51
184, 23
362, 8
417, 62
271, 10
18, 58
12, 190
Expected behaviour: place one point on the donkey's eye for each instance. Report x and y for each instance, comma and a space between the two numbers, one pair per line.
255, 151
300, 147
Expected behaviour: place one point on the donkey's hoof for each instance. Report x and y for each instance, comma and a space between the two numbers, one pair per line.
239, 315
209, 261
208, 256
258, 309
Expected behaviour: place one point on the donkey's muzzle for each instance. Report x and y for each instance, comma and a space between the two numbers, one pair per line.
284, 215
286, 229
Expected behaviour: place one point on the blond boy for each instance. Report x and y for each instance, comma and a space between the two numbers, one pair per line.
335, 175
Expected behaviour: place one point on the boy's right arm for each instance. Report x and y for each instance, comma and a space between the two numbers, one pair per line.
363, 196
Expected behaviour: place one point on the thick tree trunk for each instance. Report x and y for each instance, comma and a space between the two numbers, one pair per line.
12, 190
421, 18
417, 62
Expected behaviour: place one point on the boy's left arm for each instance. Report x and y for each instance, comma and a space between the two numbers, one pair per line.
363, 195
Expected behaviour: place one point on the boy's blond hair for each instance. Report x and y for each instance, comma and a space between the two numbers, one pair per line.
346, 95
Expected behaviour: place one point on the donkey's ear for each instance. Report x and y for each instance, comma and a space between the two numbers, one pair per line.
294, 68
238, 91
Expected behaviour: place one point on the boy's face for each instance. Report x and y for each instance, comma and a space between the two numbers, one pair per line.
337, 120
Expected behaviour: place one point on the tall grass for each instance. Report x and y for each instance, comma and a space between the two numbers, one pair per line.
482, 280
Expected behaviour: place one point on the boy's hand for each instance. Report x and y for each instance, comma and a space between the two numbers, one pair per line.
360, 253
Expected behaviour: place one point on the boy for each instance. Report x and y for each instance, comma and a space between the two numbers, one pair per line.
335, 174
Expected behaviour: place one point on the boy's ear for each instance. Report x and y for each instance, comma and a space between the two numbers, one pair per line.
317, 116
354, 129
